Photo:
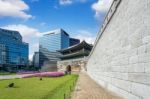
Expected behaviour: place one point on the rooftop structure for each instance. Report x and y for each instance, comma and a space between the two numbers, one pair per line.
76, 56
77, 51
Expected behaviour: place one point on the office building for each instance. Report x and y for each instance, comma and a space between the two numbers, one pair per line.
35, 59
73, 41
13, 51
2, 54
50, 42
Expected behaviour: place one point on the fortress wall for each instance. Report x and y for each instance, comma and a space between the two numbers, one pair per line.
120, 59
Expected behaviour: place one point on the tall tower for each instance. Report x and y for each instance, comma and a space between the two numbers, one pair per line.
50, 42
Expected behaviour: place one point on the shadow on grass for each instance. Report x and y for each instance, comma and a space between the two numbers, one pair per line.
12, 87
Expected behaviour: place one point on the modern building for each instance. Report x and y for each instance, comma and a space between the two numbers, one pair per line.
13, 51
54, 40
2, 54
50, 42
35, 59
75, 56
73, 41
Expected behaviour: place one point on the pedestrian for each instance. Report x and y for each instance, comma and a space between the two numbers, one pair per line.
69, 69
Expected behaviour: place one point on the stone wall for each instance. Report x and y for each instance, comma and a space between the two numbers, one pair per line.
120, 59
49, 66
76, 64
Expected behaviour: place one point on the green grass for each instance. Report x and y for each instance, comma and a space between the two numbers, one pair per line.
33, 88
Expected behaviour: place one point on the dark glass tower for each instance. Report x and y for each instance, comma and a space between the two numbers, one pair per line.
74, 41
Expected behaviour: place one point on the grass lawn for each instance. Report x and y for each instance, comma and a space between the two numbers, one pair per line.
33, 88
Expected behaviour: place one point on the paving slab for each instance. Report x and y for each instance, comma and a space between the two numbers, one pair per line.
10, 77
86, 88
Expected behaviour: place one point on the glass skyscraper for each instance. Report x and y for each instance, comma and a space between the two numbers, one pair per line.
50, 42
55, 40
13, 51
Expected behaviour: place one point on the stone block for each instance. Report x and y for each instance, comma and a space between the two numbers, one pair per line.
147, 49
125, 85
139, 78
132, 52
144, 58
131, 96
145, 31
124, 61
141, 49
136, 68
146, 39
147, 67
122, 69
140, 90
133, 59
118, 75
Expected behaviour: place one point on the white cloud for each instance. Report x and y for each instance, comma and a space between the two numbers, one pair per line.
85, 35
33, 47
34, 0
43, 24
30, 56
69, 2
36, 45
83, 1
13, 8
29, 34
65, 2
56, 7
101, 6
25, 31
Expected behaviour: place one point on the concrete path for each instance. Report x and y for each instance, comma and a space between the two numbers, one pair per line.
10, 77
86, 88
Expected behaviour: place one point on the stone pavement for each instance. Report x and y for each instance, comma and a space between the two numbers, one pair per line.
10, 76
86, 88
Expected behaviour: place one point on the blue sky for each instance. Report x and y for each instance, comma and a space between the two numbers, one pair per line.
80, 18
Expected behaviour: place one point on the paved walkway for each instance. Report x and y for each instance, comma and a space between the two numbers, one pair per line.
10, 76
88, 89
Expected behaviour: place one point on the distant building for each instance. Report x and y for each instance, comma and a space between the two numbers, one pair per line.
13, 51
73, 41
50, 42
35, 59
76, 56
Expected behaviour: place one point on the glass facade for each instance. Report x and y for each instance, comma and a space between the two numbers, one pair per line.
55, 40
2, 54
13, 50
74, 41
50, 43
36, 59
